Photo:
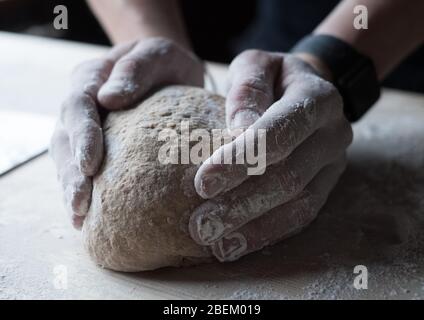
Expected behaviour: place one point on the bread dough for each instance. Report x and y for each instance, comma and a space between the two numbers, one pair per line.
140, 208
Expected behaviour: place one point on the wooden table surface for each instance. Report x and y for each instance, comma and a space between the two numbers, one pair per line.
364, 222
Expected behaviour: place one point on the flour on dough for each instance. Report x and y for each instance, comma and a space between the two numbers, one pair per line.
139, 214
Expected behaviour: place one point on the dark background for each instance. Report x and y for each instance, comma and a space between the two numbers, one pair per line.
219, 29
213, 34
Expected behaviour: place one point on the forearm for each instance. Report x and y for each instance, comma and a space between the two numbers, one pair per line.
127, 20
395, 29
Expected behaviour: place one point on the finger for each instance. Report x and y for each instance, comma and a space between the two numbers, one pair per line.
80, 117
81, 121
285, 125
252, 77
77, 187
90, 75
283, 221
226, 213
149, 64
119, 51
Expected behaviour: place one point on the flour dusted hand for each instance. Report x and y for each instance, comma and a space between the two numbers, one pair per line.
118, 80
306, 139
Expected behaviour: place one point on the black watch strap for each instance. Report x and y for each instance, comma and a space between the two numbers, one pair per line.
354, 73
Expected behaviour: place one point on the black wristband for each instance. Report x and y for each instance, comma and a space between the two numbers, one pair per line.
354, 73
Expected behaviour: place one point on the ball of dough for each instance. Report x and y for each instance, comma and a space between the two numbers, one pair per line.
138, 219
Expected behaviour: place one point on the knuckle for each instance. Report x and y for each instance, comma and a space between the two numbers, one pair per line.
159, 46
247, 57
246, 95
269, 61
148, 51
130, 65
253, 54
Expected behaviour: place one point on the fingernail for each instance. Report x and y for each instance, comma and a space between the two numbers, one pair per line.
244, 118
230, 248
210, 186
209, 226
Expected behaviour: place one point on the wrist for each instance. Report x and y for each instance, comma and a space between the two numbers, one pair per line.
317, 64
135, 20
353, 73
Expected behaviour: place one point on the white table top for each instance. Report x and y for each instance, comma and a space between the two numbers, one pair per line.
380, 196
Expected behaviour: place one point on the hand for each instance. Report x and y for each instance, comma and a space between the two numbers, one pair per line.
306, 139
116, 81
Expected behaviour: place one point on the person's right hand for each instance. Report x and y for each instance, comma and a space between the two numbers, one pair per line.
116, 81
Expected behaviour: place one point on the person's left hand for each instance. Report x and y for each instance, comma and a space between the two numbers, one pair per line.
306, 139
